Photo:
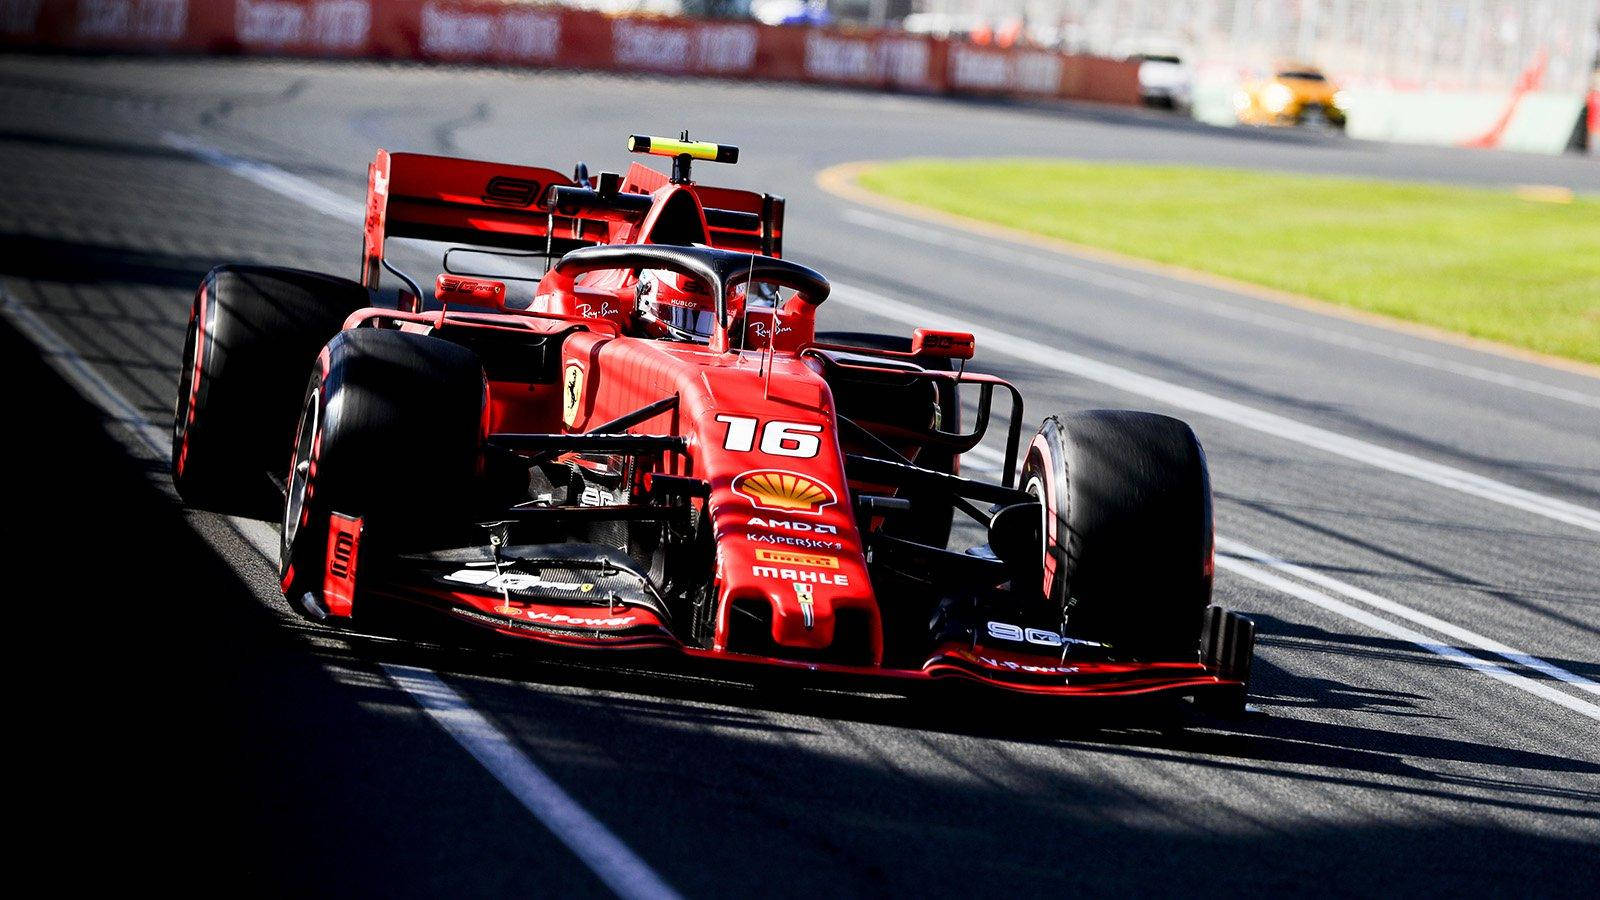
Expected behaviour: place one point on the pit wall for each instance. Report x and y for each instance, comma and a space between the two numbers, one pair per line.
514, 34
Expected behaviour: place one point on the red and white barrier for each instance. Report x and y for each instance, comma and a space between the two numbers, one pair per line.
500, 33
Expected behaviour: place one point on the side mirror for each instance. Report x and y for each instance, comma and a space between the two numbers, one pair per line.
470, 291
943, 344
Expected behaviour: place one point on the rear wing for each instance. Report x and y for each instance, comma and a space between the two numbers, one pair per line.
483, 204
439, 198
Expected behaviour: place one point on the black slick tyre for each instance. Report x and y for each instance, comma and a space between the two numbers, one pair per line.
391, 432
253, 334
1127, 530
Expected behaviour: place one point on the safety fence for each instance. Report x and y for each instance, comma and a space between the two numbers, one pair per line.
518, 34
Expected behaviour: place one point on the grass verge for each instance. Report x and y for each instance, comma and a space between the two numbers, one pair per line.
1486, 263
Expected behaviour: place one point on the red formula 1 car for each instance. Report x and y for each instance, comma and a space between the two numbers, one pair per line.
654, 448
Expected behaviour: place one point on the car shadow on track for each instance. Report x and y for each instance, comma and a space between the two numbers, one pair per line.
1266, 736
81, 262
890, 792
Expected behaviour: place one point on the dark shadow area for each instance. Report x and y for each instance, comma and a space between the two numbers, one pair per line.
187, 734
77, 262
86, 144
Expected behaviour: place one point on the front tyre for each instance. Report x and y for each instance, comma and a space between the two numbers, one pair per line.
1127, 529
391, 432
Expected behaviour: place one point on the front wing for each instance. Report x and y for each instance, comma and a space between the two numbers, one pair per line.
610, 607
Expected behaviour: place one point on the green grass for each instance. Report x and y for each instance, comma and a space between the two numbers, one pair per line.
1481, 262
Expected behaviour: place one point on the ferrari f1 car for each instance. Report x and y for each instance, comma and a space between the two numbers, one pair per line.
653, 448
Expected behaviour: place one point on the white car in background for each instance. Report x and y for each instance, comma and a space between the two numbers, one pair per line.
1165, 80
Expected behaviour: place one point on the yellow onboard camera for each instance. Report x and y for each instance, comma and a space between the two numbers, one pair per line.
682, 150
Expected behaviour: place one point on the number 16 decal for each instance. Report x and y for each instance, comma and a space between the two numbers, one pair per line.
794, 439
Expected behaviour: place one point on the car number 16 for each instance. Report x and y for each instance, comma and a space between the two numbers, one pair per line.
794, 439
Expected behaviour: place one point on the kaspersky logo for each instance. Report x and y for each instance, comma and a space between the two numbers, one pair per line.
787, 491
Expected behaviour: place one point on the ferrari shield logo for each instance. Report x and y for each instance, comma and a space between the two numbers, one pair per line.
804, 594
571, 393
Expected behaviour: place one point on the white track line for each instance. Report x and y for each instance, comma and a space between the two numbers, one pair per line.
1226, 410
1057, 265
1454, 654
270, 177
1394, 608
602, 851
588, 839
323, 200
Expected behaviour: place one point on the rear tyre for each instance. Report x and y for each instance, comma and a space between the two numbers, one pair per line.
1127, 530
923, 526
253, 333
391, 432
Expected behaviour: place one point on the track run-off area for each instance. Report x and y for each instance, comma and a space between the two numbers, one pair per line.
1413, 524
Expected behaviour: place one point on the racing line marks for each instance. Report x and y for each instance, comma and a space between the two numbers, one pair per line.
1050, 265
323, 200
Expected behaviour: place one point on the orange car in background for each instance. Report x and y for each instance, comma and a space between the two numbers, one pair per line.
1294, 95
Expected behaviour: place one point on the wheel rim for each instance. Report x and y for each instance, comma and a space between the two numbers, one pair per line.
300, 472
1035, 488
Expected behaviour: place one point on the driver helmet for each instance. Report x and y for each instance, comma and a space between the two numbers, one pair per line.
674, 306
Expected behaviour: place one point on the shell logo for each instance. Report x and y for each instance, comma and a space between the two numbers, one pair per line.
786, 491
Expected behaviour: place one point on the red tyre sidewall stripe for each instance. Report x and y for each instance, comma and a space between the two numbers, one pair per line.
198, 318
1047, 473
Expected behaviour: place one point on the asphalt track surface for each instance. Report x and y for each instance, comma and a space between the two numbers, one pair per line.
1429, 642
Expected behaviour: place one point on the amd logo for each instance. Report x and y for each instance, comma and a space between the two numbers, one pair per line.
505, 191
